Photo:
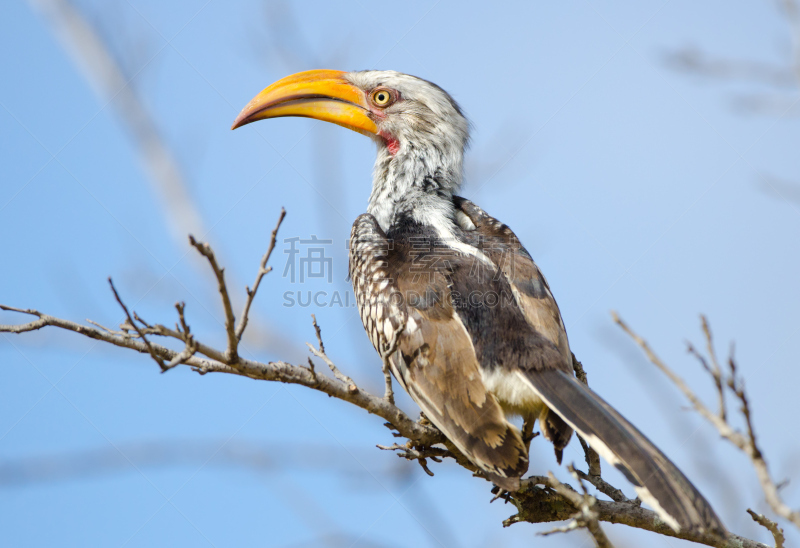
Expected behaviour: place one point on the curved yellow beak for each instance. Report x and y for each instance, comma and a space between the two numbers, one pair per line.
321, 94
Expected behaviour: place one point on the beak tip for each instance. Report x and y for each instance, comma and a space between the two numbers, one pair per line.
243, 118
239, 122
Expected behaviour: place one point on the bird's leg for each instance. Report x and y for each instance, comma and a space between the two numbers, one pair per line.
527, 432
389, 348
420, 454
500, 493
388, 394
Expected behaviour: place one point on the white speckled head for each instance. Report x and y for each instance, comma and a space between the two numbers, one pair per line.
421, 141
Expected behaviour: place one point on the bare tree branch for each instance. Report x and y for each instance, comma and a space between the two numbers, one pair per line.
586, 517
214, 363
745, 442
544, 505
534, 505
556, 502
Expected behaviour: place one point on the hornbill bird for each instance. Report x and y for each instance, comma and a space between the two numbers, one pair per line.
453, 301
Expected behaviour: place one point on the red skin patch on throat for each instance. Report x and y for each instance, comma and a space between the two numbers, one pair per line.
391, 143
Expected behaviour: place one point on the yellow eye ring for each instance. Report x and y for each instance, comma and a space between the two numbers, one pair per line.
382, 97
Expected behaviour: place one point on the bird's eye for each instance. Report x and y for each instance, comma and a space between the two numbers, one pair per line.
382, 97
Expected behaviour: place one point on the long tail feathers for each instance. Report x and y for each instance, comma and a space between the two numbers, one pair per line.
657, 481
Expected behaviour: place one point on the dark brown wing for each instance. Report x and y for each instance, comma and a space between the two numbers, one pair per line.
530, 288
400, 290
531, 293
656, 479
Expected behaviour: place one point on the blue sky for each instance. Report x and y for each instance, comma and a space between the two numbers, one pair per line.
636, 188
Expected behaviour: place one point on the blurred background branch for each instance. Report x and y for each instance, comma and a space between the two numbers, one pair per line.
113, 85
781, 81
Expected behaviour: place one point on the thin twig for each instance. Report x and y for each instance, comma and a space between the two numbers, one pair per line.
104, 328
586, 517
181, 358
232, 352
140, 320
714, 370
263, 270
318, 332
191, 346
25, 327
351, 385
771, 526
419, 454
150, 348
607, 489
710, 345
